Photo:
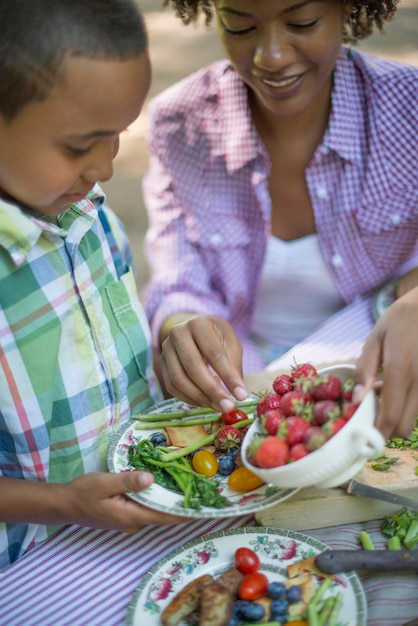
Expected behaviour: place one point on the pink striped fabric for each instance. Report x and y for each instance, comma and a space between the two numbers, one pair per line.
87, 577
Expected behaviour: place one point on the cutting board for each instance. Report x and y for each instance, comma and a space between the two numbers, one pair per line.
312, 507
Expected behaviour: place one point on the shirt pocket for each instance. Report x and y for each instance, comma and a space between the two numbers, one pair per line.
219, 232
391, 214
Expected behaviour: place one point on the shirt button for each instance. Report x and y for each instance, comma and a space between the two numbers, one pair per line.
215, 239
321, 192
337, 261
395, 218
325, 150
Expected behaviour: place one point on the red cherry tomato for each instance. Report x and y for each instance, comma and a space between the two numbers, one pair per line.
205, 463
234, 416
253, 586
243, 479
246, 560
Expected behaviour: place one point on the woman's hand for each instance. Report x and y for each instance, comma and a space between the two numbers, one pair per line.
407, 282
201, 359
393, 346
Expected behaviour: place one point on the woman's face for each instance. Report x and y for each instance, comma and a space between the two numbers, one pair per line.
284, 50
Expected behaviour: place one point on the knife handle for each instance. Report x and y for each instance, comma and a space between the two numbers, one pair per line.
334, 561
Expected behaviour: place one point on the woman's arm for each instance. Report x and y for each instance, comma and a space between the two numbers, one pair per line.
393, 346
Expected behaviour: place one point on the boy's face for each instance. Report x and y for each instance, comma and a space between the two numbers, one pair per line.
54, 151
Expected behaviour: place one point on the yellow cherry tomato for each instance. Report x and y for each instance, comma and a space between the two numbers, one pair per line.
205, 463
243, 479
297, 622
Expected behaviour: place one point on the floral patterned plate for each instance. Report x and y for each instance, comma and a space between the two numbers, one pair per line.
162, 499
211, 554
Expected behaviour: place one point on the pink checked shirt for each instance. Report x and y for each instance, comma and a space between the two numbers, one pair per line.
208, 200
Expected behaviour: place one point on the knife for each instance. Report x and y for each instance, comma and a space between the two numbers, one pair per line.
359, 489
334, 561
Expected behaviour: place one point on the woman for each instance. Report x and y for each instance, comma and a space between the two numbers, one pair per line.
278, 188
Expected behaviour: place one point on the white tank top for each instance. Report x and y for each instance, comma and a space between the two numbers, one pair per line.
297, 293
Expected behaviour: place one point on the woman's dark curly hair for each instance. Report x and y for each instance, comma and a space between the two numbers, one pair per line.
365, 15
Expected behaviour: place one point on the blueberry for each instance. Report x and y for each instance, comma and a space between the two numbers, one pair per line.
279, 609
226, 464
238, 607
158, 439
294, 594
276, 590
252, 612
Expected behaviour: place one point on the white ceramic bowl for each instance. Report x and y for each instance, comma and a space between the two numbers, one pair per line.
339, 459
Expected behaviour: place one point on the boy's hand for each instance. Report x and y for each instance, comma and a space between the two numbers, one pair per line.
393, 346
200, 357
99, 500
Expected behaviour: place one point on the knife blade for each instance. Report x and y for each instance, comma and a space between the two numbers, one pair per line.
360, 489
335, 561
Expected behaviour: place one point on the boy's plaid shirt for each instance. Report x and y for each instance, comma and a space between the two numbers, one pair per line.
75, 356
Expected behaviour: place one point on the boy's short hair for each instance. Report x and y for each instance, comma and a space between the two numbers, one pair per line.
37, 35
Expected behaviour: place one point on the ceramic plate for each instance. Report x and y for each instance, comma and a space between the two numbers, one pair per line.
211, 554
383, 299
162, 499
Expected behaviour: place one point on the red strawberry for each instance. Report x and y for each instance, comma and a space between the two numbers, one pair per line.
292, 403
334, 426
228, 437
293, 430
271, 420
348, 410
325, 410
268, 452
282, 384
298, 451
305, 370
267, 402
327, 387
315, 437
348, 386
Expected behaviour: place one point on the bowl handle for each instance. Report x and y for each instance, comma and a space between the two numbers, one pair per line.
372, 442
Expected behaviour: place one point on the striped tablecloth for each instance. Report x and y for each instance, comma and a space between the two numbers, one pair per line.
86, 577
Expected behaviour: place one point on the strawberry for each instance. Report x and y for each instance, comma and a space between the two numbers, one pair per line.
326, 387
268, 452
228, 437
282, 384
348, 386
325, 410
348, 409
305, 370
332, 428
315, 437
270, 421
267, 402
293, 430
292, 403
298, 451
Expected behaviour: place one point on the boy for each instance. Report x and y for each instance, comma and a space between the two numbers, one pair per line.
74, 343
